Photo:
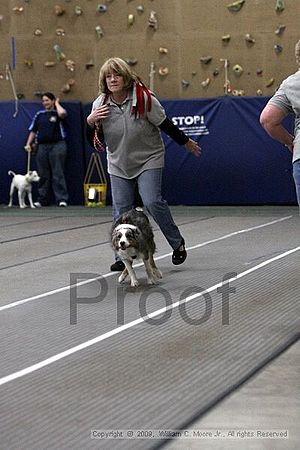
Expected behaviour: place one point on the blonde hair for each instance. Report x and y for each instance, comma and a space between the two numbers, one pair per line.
297, 52
120, 67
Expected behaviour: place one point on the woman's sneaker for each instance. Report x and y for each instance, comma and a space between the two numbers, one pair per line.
179, 255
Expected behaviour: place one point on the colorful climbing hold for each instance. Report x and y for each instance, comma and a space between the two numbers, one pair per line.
130, 19
152, 21
59, 53
59, 10
163, 50
279, 7
28, 63
206, 82
70, 65
280, 29
226, 38
185, 84
163, 71
90, 64
278, 48
270, 82
78, 10
237, 70
206, 59
49, 63
249, 39
236, 6
101, 8
60, 32
99, 31
131, 61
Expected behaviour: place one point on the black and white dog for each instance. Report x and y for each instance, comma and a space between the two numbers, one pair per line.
23, 184
132, 238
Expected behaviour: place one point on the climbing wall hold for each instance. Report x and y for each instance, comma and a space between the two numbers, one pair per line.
206, 82
206, 59
279, 7
49, 63
270, 82
60, 32
238, 92
99, 31
90, 64
130, 19
59, 53
163, 71
278, 48
18, 9
70, 65
280, 29
38, 94
59, 10
236, 6
78, 10
237, 70
140, 9
38, 32
101, 8
226, 38
259, 72
185, 84
163, 50
249, 39
131, 61
152, 21
28, 63
67, 86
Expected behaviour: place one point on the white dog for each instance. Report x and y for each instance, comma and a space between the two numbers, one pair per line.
23, 184
132, 238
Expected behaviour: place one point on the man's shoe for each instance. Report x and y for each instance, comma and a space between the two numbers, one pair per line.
117, 266
179, 255
37, 205
63, 204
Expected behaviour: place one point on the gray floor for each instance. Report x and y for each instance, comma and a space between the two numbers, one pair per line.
57, 384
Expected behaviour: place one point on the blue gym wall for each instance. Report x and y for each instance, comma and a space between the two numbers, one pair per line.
240, 164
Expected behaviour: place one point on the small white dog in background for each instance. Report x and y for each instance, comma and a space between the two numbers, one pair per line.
23, 184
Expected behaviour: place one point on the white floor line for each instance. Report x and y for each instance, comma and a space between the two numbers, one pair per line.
102, 337
106, 275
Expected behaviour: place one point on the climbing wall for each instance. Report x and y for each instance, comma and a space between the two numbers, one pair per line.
191, 48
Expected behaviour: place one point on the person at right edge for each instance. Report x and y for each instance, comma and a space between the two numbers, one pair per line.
129, 118
285, 101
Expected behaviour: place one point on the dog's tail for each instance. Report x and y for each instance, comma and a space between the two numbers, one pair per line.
10, 172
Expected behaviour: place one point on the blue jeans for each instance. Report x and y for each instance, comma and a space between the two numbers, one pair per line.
149, 186
50, 160
296, 175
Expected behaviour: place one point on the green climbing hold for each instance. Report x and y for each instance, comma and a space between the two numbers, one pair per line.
236, 6
279, 5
